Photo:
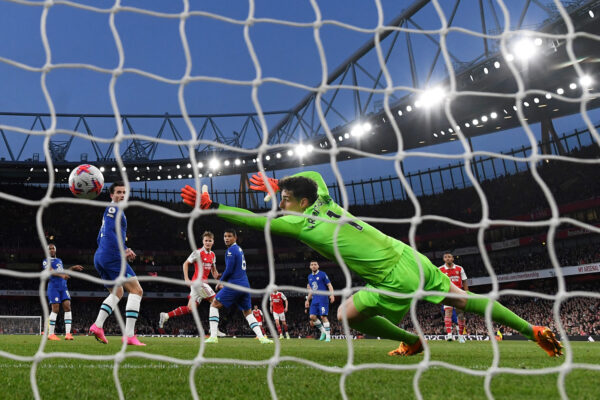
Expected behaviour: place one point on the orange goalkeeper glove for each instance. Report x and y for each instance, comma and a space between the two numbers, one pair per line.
188, 194
258, 183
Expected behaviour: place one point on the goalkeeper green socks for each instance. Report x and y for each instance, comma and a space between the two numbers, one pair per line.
381, 327
500, 314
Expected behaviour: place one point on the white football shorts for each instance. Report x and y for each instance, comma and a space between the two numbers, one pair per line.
201, 291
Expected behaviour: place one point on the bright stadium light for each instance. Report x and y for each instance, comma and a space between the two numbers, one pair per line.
432, 96
301, 149
484, 118
494, 115
226, 163
485, 70
367, 127
346, 135
290, 152
113, 169
586, 81
159, 167
178, 166
435, 135
124, 169
399, 113
573, 86
475, 122
214, 164
340, 138
497, 64
210, 175
237, 161
538, 41
443, 133
548, 96
190, 176
179, 176
536, 100
101, 169
591, 14
158, 177
560, 91
200, 164
189, 165
278, 155
168, 176
268, 157
310, 148
137, 178
526, 104
135, 168
525, 49
408, 108
467, 125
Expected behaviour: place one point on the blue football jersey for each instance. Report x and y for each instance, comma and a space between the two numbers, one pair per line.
55, 281
318, 281
235, 266
107, 237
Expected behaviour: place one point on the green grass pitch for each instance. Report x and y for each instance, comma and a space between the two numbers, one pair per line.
68, 378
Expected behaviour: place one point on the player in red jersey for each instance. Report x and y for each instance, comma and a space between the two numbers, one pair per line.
204, 261
259, 318
278, 309
458, 277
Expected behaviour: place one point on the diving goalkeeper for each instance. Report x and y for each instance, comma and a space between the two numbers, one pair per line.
389, 265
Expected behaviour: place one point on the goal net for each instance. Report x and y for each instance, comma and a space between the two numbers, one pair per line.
20, 324
438, 122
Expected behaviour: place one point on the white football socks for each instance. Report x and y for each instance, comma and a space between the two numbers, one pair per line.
213, 321
52, 323
106, 309
254, 325
68, 321
132, 311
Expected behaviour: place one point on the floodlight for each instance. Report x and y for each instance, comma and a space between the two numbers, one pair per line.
586, 81
213, 164
432, 96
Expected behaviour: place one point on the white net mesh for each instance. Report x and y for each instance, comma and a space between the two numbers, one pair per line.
386, 91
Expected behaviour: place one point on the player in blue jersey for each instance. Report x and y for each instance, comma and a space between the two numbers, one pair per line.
318, 280
235, 272
107, 261
58, 293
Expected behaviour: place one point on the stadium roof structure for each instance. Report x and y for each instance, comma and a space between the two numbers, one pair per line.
483, 102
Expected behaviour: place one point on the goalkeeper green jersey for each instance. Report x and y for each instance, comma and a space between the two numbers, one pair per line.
367, 251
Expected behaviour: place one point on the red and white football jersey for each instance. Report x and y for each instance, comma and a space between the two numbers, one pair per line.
278, 302
456, 274
258, 315
202, 260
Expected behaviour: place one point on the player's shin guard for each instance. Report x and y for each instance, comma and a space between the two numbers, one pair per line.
106, 309
448, 324
319, 325
52, 323
327, 330
213, 321
132, 310
254, 325
68, 321
500, 314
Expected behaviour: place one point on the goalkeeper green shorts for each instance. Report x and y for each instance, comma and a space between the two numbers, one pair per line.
403, 278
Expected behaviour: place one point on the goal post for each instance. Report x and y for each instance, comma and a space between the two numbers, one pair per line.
20, 324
